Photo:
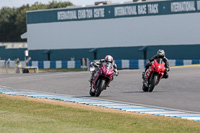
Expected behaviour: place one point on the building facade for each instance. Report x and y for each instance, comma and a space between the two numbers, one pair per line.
132, 30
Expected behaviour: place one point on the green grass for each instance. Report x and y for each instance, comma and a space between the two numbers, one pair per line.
19, 115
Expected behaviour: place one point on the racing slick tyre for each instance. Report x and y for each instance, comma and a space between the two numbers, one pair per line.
91, 93
153, 82
144, 88
101, 84
98, 88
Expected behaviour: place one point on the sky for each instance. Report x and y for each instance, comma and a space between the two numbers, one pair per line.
18, 3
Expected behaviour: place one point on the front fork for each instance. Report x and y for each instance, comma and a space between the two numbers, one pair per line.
108, 82
96, 76
153, 76
91, 78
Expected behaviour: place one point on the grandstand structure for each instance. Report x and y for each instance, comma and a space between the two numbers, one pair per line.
128, 30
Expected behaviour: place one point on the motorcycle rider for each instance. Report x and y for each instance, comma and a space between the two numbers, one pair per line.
97, 65
160, 54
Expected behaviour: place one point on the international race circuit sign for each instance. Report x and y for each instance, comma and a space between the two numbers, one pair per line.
114, 11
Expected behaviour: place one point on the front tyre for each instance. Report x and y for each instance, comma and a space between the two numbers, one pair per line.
153, 82
144, 88
91, 93
100, 86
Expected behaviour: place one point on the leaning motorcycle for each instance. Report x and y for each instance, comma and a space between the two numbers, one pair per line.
101, 79
153, 75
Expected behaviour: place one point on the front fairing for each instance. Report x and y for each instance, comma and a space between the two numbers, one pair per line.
155, 68
106, 70
159, 68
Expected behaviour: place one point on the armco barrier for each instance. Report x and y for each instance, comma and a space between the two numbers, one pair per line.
123, 64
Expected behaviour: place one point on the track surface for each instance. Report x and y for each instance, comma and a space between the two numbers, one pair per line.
180, 91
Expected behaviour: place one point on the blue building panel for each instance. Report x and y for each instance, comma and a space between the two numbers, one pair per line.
52, 64
179, 62
111, 11
118, 63
64, 64
41, 64
30, 63
77, 64
133, 64
195, 62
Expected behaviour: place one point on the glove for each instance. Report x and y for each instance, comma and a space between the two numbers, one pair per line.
168, 69
115, 66
95, 64
91, 64
116, 73
148, 63
102, 60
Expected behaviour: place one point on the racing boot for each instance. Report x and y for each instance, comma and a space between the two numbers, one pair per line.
90, 80
143, 75
145, 81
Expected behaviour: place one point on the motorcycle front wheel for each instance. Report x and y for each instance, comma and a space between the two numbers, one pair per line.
144, 88
153, 82
100, 87
91, 93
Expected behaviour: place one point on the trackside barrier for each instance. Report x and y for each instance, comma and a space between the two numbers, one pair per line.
123, 64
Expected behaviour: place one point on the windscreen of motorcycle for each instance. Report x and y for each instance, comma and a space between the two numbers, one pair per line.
108, 65
160, 61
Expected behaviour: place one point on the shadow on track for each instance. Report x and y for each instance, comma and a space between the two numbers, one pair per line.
144, 92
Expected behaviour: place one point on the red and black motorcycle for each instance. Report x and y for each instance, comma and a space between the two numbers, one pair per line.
102, 79
153, 75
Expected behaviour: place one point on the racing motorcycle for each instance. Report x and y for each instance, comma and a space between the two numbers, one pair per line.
153, 75
102, 79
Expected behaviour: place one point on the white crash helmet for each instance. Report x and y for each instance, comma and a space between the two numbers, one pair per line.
108, 58
161, 53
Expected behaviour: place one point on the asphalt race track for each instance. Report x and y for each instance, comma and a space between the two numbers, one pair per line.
180, 91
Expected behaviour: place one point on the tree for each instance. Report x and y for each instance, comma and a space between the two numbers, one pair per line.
13, 20
7, 24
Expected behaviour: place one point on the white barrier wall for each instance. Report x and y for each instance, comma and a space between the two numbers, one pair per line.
127, 64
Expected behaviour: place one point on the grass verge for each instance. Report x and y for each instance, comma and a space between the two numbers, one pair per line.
28, 115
